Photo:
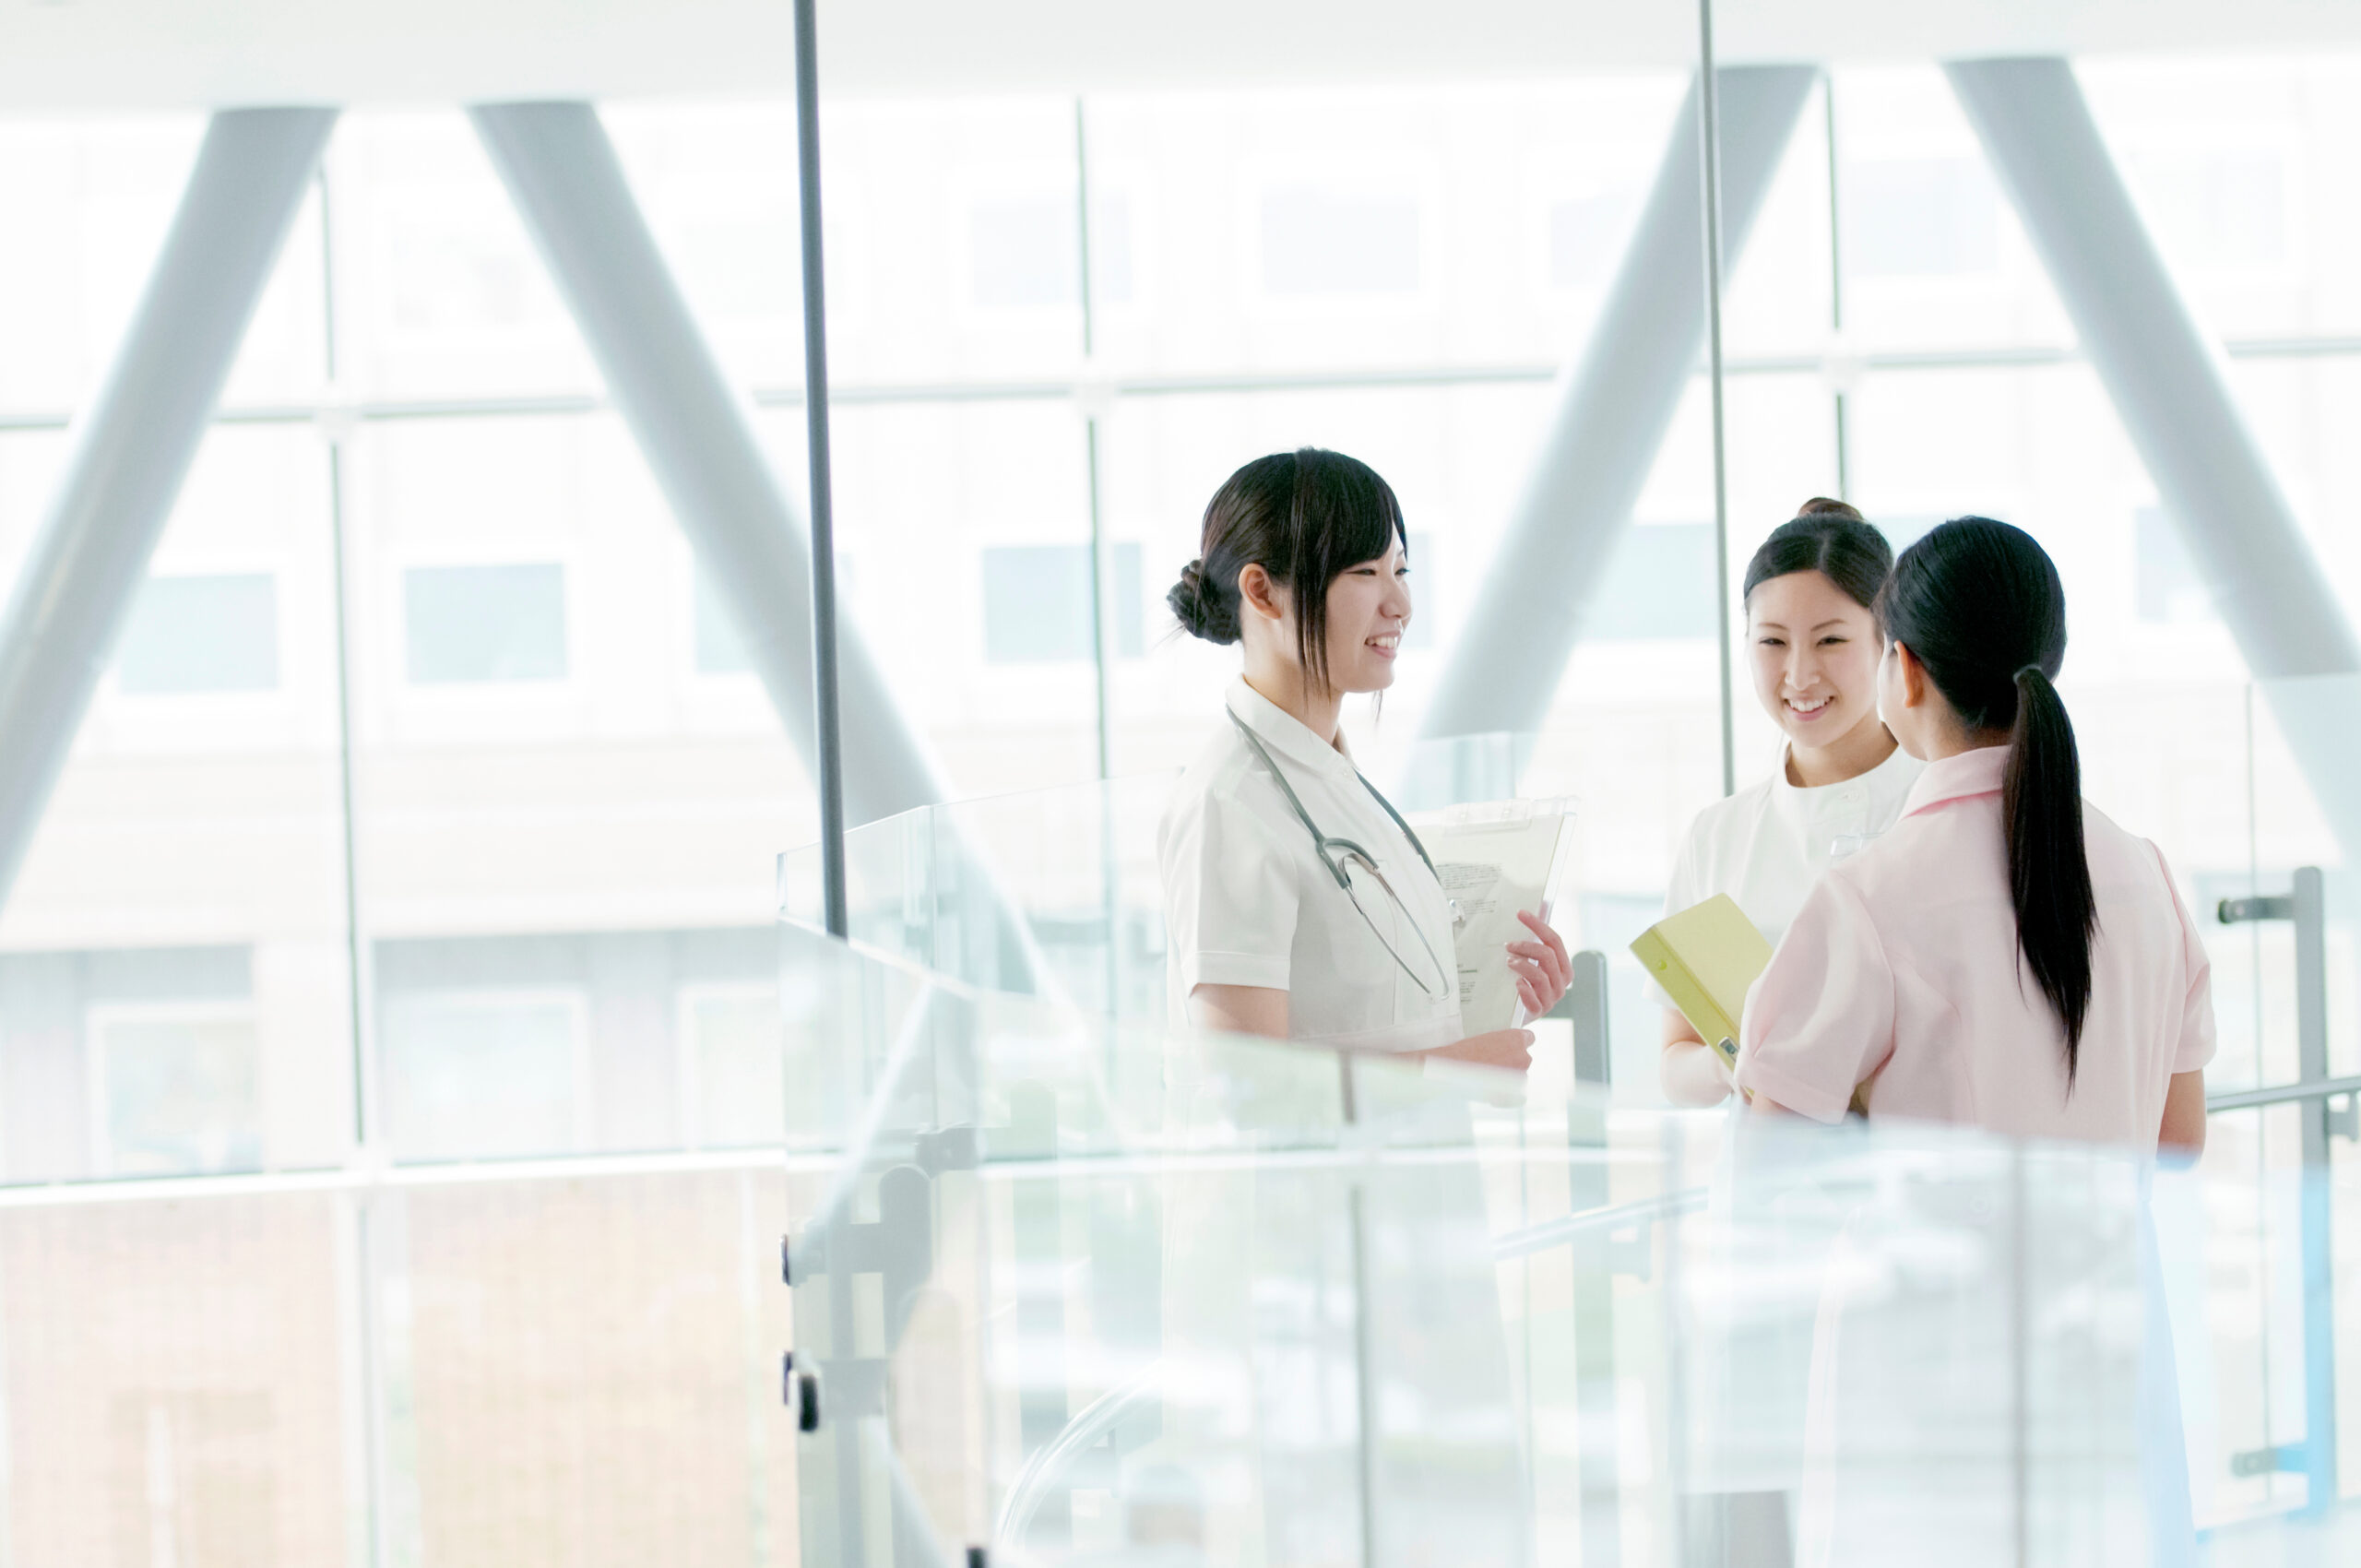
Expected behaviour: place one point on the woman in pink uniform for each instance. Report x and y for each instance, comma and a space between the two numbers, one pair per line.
2005, 956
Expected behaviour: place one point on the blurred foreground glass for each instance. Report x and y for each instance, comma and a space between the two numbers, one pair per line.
1083, 1293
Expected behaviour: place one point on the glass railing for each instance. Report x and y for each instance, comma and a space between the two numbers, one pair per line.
2255, 1246
2272, 1222
1080, 1292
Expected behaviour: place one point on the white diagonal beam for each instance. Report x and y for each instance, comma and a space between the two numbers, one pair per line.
136, 440
563, 175
1614, 407
2166, 380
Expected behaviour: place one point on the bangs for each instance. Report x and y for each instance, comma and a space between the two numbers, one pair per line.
1346, 515
1343, 514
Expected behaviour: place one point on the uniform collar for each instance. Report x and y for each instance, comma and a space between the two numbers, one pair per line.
1976, 772
1287, 735
1894, 773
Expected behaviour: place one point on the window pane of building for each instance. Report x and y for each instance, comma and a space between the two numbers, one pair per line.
182, 1095
1036, 603
472, 623
1919, 216
1023, 253
1659, 585
208, 634
736, 1042
2170, 589
483, 1077
1322, 241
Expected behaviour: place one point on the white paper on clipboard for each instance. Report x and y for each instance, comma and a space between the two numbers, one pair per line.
1495, 858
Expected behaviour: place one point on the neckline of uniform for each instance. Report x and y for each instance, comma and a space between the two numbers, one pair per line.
1288, 735
1895, 761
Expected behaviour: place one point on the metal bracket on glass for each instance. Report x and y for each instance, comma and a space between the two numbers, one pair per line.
898, 1245
948, 1148
1585, 1004
801, 1392
2244, 911
2286, 1456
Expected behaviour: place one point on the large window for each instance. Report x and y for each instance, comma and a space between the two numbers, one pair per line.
427, 807
1920, 217
1037, 603
1322, 241
207, 634
476, 624
445, 586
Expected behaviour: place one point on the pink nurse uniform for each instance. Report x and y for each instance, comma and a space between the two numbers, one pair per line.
1901, 976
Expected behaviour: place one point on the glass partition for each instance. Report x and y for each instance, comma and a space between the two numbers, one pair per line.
396, 1058
1080, 1292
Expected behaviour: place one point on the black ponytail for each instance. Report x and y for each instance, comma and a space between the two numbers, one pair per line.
2049, 876
1979, 605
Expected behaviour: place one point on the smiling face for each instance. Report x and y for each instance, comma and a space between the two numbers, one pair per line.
1815, 653
1368, 605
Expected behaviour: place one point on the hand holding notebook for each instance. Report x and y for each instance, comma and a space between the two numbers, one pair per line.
1705, 958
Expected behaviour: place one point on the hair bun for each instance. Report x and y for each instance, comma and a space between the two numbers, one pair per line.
1200, 606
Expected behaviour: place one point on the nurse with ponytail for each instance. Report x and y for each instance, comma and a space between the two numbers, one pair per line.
2006, 956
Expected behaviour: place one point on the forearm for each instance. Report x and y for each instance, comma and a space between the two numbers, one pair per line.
1692, 1073
2183, 1131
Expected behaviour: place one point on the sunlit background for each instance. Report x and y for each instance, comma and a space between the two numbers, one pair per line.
428, 807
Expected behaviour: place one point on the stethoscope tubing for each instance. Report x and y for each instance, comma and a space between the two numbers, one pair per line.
1320, 841
1334, 852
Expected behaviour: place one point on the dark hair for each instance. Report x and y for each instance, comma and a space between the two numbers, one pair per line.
1979, 604
1303, 517
1830, 537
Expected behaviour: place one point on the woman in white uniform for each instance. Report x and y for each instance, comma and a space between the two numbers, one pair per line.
1299, 906
1297, 903
1814, 645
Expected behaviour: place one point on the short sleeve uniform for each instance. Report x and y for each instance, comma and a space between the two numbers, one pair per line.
1766, 845
1247, 900
1903, 974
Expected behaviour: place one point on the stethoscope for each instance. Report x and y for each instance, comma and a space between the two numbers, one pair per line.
1340, 856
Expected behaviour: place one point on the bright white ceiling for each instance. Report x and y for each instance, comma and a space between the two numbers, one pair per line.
187, 54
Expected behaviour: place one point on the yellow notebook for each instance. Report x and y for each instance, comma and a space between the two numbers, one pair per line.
1705, 958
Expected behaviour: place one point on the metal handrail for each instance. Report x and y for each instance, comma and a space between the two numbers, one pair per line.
2282, 1094
1565, 1228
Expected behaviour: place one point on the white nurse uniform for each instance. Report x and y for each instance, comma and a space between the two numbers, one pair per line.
1248, 901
